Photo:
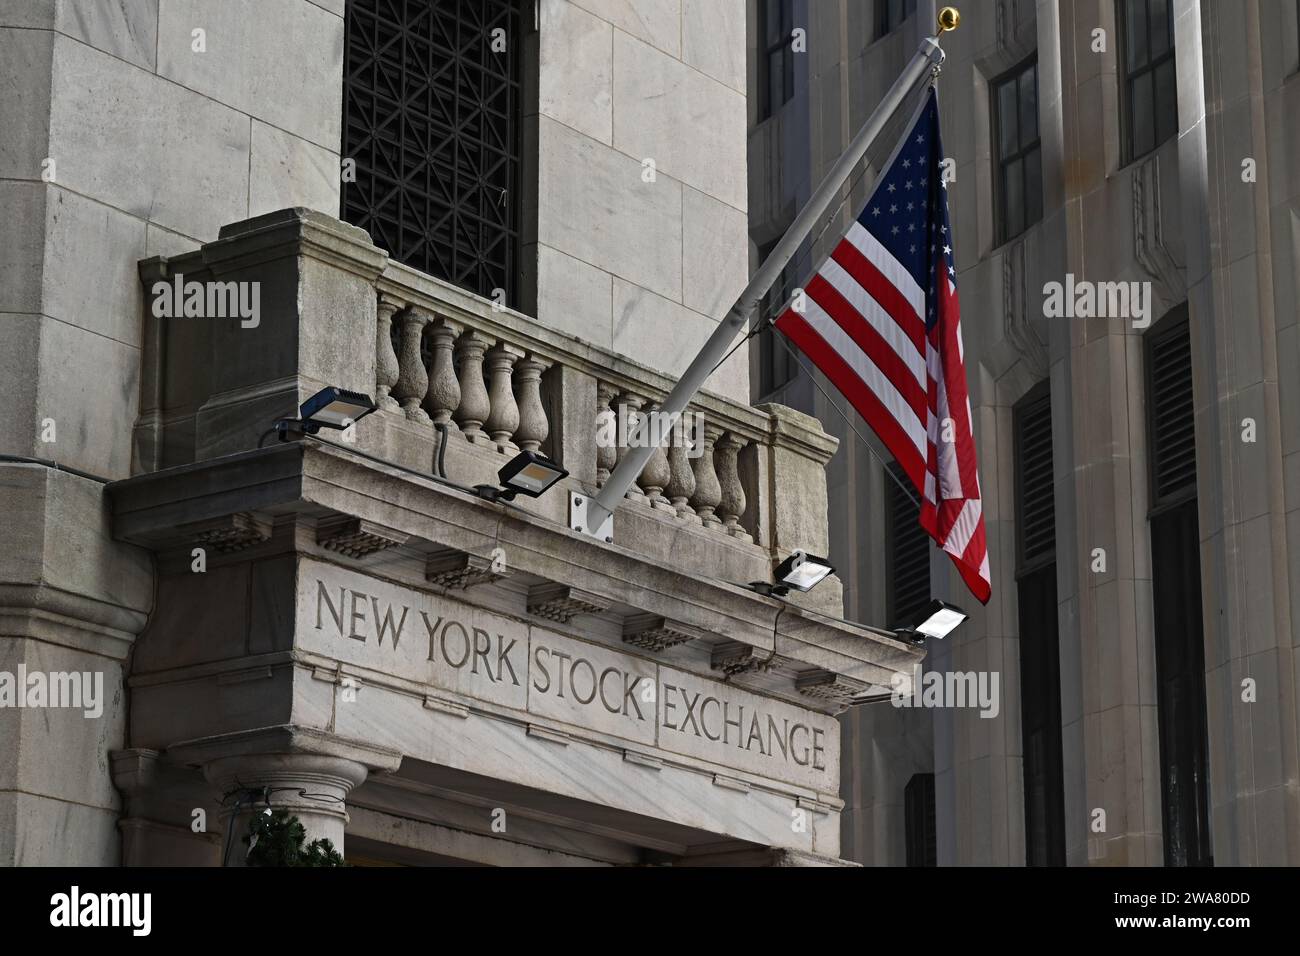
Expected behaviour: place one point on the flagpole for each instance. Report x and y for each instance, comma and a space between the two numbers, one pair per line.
592, 515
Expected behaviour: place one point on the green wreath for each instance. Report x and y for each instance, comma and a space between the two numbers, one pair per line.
276, 839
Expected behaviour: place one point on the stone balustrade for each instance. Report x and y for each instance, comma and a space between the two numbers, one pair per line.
438, 359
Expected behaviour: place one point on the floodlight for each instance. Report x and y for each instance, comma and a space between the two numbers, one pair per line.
937, 619
528, 473
334, 408
800, 572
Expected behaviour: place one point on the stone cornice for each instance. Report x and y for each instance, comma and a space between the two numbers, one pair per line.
329, 481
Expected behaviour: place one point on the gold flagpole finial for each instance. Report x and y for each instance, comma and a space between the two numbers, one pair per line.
949, 19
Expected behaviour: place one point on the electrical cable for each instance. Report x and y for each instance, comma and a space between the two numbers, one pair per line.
48, 463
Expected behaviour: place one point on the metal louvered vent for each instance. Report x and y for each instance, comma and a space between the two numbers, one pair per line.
1035, 497
919, 822
431, 115
909, 554
1170, 410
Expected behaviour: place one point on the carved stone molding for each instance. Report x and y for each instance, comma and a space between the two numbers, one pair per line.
1149, 245
825, 685
230, 534
357, 538
559, 602
460, 570
653, 633
737, 658
1018, 327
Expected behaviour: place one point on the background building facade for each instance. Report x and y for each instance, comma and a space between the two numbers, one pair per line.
1137, 471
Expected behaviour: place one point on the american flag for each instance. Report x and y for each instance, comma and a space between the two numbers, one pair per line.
862, 324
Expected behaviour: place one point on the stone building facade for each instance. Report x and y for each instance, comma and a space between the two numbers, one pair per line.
1142, 617
499, 220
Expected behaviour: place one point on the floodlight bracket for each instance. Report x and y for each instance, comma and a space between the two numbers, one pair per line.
582, 513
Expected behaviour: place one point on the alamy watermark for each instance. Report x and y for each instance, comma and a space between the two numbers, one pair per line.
73, 909
75, 689
1082, 299
208, 300
944, 689
619, 430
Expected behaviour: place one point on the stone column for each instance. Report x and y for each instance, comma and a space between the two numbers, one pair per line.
504, 417
708, 491
474, 404
443, 395
629, 408
533, 426
412, 380
606, 453
386, 368
311, 787
656, 474
732, 504
681, 481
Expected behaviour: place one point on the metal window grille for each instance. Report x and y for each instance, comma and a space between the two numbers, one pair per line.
431, 115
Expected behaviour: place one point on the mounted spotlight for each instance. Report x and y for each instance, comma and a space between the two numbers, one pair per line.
334, 408
936, 620
800, 572
329, 408
528, 473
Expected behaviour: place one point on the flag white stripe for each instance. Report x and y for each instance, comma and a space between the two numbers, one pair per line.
874, 379
964, 527
949, 473
880, 320
893, 270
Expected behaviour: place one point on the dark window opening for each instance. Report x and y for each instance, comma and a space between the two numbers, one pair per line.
776, 55
890, 14
1040, 671
1018, 183
432, 116
908, 547
1176, 595
1149, 100
918, 820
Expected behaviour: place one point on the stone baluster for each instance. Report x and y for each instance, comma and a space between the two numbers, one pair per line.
533, 426
708, 491
412, 379
386, 368
606, 433
732, 505
655, 475
474, 404
504, 418
443, 395
681, 481
629, 411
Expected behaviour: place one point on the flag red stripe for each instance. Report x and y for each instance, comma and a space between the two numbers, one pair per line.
869, 340
883, 291
856, 391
